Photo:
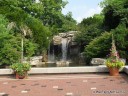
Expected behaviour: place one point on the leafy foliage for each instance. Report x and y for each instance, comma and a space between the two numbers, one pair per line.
40, 32
121, 39
99, 47
89, 29
114, 19
21, 68
69, 23
3, 25
116, 12
29, 48
20, 13
35, 22
10, 50
113, 61
116, 64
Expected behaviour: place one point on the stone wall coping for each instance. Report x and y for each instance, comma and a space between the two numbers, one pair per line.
86, 69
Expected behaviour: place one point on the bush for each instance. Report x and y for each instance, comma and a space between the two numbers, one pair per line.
99, 47
21, 68
9, 50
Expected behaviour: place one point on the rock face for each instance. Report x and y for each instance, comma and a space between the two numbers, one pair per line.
101, 61
57, 40
98, 61
63, 35
33, 60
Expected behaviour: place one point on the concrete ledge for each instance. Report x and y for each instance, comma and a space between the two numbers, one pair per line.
6, 71
68, 70
89, 69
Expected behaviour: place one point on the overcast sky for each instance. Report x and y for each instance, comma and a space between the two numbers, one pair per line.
82, 8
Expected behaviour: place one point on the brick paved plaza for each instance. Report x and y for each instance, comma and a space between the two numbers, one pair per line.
65, 85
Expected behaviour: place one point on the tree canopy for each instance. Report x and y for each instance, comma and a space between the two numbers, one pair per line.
89, 29
113, 19
35, 22
116, 12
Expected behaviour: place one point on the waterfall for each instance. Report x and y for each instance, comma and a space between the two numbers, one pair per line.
64, 49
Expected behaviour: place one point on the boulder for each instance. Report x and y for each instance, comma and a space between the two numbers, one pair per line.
63, 35
57, 40
98, 61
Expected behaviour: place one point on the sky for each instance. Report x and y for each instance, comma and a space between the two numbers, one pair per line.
82, 8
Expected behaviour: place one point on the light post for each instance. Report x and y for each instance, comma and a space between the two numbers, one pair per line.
22, 49
23, 33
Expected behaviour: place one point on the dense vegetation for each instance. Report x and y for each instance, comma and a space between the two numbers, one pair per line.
32, 22
95, 32
35, 23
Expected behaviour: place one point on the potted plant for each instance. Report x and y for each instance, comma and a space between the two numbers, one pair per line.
114, 63
21, 69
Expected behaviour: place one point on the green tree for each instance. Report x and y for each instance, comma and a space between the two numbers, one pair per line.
9, 49
99, 47
52, 14
121, 39
29, 48
115, 12
89, 29
3, 25
40, 20
18, 11
69, 23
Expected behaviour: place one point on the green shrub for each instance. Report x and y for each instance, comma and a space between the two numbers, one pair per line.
99, 47
21, 68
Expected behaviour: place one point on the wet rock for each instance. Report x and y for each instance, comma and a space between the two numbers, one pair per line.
57, 40
98, 61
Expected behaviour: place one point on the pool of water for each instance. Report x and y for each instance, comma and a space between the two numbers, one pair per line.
52, 64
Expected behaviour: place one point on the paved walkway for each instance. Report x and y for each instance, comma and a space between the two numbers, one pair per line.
65, 85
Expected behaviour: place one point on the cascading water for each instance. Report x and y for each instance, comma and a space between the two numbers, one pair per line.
64, 49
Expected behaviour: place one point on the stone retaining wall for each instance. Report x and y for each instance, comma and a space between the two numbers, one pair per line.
92, 69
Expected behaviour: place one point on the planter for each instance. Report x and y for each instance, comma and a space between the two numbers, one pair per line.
21, 77
114, 71
21, 69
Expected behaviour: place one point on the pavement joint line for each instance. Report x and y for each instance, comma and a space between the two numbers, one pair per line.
71, 77
60, 77
65, 78
83, 76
